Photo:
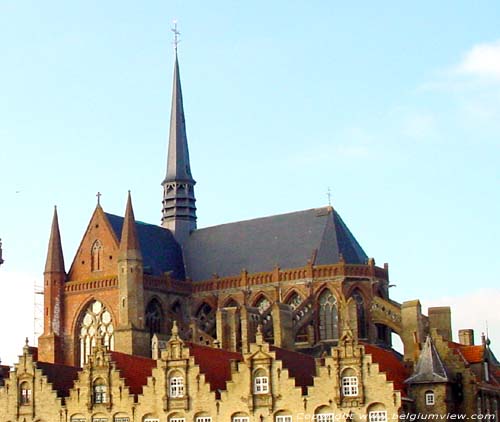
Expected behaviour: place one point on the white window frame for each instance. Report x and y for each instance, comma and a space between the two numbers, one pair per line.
176, 387
324, 417
99, 419
261, 385
283, 418
121, 419
151, 420
204, 419
177, 420
430, 398
377, 416
240, 419
350, 386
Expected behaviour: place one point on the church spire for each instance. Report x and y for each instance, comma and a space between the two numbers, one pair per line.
129, 242
179, 210
55, 258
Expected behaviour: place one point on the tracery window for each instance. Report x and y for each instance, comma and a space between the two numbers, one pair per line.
25, 393
361, 312
262, 304
328, 316
294, 300
154, 317
96, 321
99, 391
96, 256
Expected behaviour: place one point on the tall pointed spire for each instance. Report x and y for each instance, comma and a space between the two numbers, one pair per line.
55, 258
179, 210
430, 367
129, 242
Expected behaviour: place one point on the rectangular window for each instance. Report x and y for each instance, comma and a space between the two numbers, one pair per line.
151, 420
350, 386
261, 385
177, 420
283, 418
99, 419
324, 417
25, 396
122, 419
429, 398
204, 419
377, 416
78, 420
176, 387
241, 419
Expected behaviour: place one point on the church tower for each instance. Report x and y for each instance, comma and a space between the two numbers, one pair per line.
179, 210
54, 279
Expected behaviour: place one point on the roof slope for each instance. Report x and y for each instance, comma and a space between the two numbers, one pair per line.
390, 364
301, 367
430, 367
62, 377
134, 369
286, 240
160, 251
215, 364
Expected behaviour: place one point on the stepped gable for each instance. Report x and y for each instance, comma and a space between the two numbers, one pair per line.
214, 363
301, 367
259, 245
160, 251
390, 364
134, 369
62, 377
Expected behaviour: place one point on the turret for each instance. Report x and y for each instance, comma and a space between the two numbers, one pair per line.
54, 279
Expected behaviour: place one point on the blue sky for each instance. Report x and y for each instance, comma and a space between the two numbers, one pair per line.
395, 107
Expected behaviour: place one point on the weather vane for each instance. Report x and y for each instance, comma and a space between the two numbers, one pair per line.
176, 35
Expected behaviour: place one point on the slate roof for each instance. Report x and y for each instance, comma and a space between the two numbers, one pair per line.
134, 369
61, 377
430, 367
160, 251
286, 240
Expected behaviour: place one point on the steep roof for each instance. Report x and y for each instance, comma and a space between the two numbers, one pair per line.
300, 366
215, 364
286, 240
390, 364
134, 369
430, 367
160, 251
55, 258
62, 377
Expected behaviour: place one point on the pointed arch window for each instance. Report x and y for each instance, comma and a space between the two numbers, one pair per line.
361, 312
154, 317
96, 321
262, 304
294, 300
328, 316
96, 256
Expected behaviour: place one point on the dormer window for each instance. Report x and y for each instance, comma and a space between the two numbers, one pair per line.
100, 392
260, 382
350, 386
430, 399
176, 387
25, 393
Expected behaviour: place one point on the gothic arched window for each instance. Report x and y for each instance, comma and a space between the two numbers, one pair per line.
294, 300
96, 256
328, 316
262, 304
361, 312
154, 317
96, 320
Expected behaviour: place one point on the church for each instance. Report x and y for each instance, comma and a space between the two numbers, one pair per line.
282, 318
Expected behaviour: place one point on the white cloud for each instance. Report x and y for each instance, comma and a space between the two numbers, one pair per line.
482, 60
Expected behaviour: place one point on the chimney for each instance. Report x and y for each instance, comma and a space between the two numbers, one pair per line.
466, 337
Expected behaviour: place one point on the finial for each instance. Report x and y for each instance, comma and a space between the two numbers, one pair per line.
175, 329
259, 338
329, 196
99, 194
176, 35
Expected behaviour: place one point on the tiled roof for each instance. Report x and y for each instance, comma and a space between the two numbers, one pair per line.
300, 366
214, 363
390, 364
472, 354
62, 377
134, 369
286, 240
160, 251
